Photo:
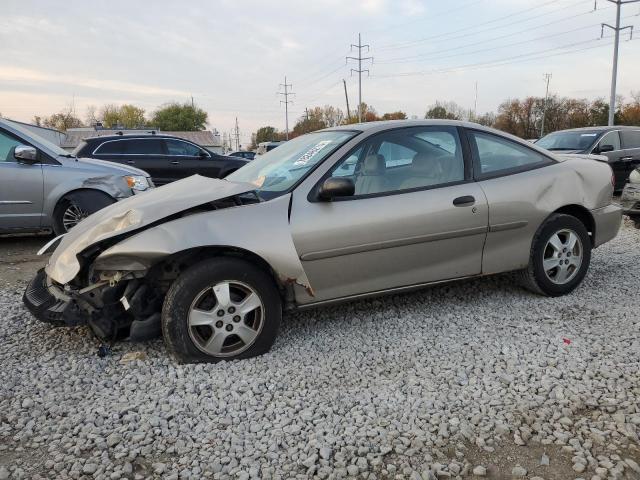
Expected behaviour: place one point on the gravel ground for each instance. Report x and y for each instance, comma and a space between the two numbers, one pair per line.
478, 378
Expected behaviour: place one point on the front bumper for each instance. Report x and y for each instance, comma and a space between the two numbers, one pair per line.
630, 199
50, 304
607, 223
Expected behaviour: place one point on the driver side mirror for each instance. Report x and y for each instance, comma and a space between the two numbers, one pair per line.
25, 154
336, 187
605, 148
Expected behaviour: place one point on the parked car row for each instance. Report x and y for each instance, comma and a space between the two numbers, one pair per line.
620, 144
339, 214
164, 157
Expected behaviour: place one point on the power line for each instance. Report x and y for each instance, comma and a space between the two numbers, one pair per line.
465, 30
359, 58
503, 61
438, 56
286, 102
614, 73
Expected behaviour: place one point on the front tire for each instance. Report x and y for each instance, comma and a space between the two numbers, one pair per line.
75, 207
221, 309
560, 256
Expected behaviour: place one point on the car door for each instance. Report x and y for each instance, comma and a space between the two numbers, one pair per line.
631, 148
610, 146
516, 180
21, 188
188, 159
416, 217
148, 154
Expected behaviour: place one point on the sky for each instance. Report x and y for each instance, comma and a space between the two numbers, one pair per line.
231, 55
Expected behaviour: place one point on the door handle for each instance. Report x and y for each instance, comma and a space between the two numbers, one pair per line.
131, 162
465, 201
626, 159
175, 162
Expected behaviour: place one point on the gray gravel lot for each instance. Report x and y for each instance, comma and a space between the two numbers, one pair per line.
475, 377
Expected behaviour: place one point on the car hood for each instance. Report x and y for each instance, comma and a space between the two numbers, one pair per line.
135, 213
584, 156
103, 166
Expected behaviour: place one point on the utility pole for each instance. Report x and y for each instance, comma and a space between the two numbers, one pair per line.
360, 58
236, 134
286, 102
547, 77
306, 111
475, 103
614, 74
346, 97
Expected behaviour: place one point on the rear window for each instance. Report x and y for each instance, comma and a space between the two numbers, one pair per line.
630, 138
142, 146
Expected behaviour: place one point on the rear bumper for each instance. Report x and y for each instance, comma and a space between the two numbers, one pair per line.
49, 304
607, 222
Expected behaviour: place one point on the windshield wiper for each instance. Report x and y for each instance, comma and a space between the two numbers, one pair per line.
68, 155
563, 148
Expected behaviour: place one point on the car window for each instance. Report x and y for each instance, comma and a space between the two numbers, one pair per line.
143, 146
347, 168
611, 138
497, 154
6, 144
404, 159
631, 138
178, 147
109, 148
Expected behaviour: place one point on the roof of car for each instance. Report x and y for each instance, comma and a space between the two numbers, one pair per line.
125, 136
599, 128
382, 124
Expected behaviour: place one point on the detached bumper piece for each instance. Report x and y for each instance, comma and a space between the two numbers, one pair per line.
57, 311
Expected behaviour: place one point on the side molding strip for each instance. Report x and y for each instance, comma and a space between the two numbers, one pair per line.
501, 227
433, 237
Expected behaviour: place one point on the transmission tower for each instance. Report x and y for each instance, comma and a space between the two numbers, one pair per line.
286, 102
236, 135
547, 77
360, 71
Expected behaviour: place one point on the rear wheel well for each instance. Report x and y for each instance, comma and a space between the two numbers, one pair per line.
584, 216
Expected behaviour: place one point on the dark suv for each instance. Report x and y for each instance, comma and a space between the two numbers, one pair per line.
164, 157
620, 144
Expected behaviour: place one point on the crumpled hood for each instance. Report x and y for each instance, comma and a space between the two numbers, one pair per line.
134, 213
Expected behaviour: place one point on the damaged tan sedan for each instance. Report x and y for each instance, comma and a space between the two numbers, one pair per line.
334, 215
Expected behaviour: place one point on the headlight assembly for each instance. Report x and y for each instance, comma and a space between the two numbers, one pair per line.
137, 182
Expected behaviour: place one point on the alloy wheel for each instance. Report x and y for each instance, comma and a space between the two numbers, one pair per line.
562, 256
226, 319
73, 215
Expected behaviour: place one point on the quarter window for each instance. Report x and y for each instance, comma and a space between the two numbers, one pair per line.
631, 138
611, 138
405, 159
499, 155
177, 147
6, 144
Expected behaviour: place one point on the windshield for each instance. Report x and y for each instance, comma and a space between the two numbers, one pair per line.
277, 171
576, 140
30, 136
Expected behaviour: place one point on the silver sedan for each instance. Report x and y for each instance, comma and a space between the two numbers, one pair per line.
334, 215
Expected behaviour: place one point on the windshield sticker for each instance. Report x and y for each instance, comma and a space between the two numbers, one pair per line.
309, 154
588, 134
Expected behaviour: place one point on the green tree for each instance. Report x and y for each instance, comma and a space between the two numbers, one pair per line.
62, 120
123, 116
267, 134
399, 115
179, 117
110, 115
445, 111
132, 116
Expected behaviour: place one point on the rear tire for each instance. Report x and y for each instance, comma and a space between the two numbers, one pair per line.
221, 309
560, 256
76, 206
